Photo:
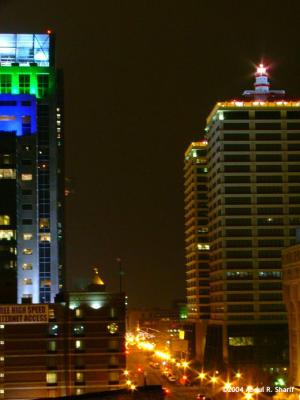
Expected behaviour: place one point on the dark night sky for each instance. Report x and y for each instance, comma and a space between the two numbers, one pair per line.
140, 79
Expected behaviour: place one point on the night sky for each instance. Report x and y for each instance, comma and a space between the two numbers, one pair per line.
140, 79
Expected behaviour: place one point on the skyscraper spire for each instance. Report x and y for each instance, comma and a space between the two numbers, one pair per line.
262, 90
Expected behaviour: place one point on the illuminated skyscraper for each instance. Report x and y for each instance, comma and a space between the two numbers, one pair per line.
253, 156
31, 169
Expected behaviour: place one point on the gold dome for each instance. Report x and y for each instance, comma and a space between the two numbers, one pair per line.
96, 278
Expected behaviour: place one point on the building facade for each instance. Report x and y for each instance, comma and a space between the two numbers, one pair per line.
291, 292
31, 161
253, 155
74, 346
196, 230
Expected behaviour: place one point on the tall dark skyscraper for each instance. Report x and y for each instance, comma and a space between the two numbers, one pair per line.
31, 169
253, 197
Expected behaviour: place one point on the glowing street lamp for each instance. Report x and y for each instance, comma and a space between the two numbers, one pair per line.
185, 364
213, 379
238, 375
202, 375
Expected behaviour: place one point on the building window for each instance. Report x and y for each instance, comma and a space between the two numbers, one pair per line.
79, 345
45, 237
26, 192
43, 84
27, 267
26, 177
44, 223
78, 330
112, 328
45, 282
113, 378
27, 281
7, 173
79, 378
51, 378
78, 313
27, 207
5, 83
27, 221
7, 234
27, 236
52, 346
53, 330
4, 220
241, 341
24, 84
27, 251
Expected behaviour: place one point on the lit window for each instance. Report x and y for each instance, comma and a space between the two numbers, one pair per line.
27, 236
26, 266
1, 374
7, 173
46, 283
45, 237
4, 220
79, 345
78, 313
44, 223
51, 378
2, 326
52, 346
202, 246
241, 341
1, 342
27, 281
27, 251
7, 234
26, 177
1, 358
79, 377
1, 391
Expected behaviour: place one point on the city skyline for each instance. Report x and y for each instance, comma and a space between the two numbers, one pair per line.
147, 77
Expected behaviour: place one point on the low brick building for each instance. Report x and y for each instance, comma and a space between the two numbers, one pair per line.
74, 346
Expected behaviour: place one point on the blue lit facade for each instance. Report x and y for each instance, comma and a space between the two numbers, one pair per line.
18, 114
31, 129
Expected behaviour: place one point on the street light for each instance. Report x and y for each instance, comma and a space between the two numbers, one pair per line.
202, 375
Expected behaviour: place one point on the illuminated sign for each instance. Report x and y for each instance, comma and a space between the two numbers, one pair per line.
24, 49
24, 314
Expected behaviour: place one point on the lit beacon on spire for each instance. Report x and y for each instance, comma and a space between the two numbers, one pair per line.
261, 84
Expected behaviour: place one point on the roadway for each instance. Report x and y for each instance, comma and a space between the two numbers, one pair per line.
141, 373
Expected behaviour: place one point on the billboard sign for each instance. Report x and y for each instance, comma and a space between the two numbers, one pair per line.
24, 314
